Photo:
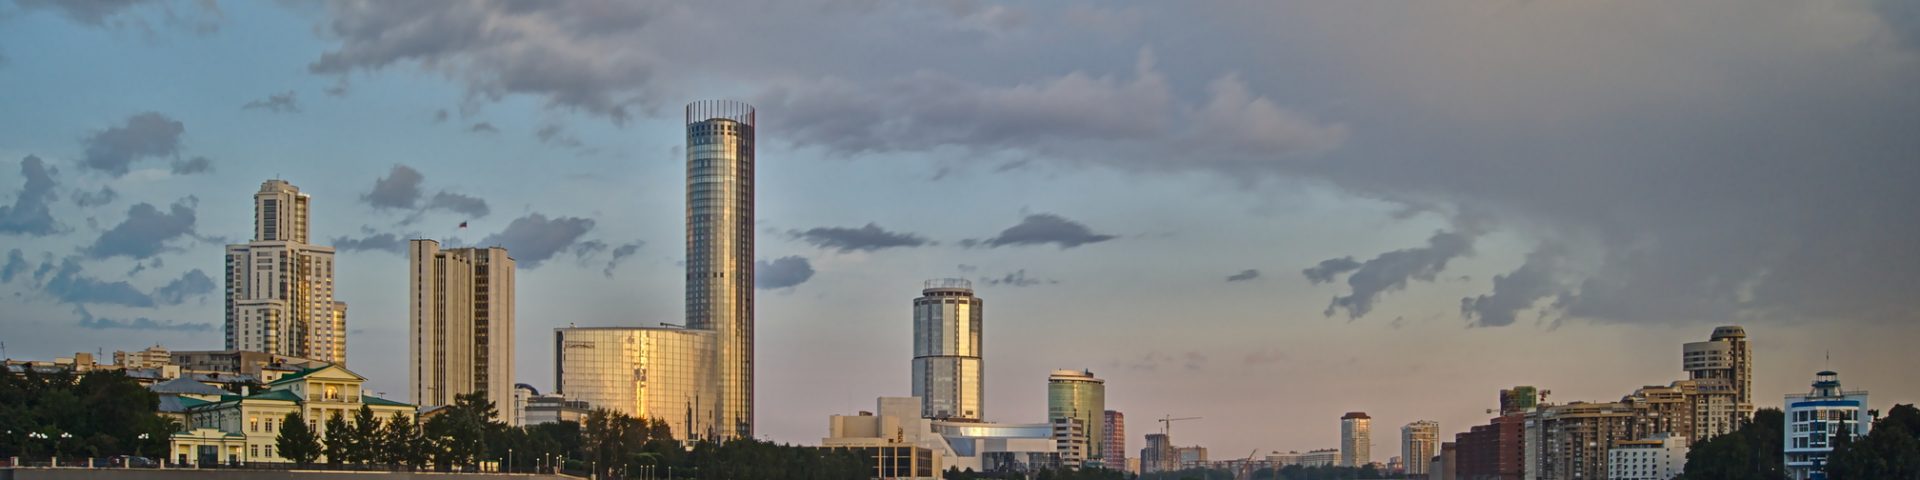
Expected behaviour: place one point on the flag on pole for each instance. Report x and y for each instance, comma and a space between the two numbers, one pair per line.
463, 225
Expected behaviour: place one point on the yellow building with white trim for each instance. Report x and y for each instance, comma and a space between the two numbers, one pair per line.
245, 429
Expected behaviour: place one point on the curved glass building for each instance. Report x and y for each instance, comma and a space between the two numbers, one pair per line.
948, 374
1077, 397
720, 250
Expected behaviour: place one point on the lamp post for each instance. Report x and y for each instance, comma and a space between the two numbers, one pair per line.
509, 460
137, 446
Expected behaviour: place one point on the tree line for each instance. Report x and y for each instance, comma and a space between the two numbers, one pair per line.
98, 414
466, 434
1890, 450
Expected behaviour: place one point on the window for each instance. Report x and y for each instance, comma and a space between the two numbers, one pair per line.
269, 450
253, 424
253, 450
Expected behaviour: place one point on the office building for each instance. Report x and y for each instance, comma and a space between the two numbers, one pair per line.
1495, 451
460, 313
1418, 443
1191, 457
652, 372
1442, 466
894, 430
720, 252
1326, 457
1071, 441
1158, 454
1660, 457
1356, 439
1816, 418
554, 408
1078, 395
279, 296
1114, 447
948, 372
1565, 442
1722, 372
1520, 399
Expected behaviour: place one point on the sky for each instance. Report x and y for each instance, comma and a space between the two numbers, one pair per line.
1265, 214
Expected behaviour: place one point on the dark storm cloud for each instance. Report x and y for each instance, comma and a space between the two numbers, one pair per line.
454, 202
386, 242
1516, 291
1390, 271
70, 285
284, 102
146, 230
30, 213
783, 272
1042, 229
1018, 278
192, 284
16, 264
1330, 269
867, 238
553, 134
87, 320
192, 166
104, 196
400, 189
621, 253
1244, 275
534, 238
144, 135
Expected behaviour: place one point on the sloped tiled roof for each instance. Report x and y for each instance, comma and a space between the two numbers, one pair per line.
185, 386
373, 400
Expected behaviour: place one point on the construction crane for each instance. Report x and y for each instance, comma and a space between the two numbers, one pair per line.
1166, 425
1246, 468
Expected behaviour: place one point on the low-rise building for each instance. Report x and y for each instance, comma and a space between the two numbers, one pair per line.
1815, 419
237, 429
1325, 457
1660, 457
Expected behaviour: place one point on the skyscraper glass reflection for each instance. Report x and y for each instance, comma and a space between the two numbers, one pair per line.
720, 250
948, 373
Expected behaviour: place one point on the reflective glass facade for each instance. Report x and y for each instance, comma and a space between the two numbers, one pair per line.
1078, 395
949, 375
658, 373
720, 250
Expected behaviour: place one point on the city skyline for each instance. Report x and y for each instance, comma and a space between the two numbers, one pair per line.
1428, 201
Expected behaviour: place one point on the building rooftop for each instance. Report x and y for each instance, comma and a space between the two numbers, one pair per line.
187, 386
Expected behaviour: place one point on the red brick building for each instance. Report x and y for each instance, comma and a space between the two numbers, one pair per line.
1495, 451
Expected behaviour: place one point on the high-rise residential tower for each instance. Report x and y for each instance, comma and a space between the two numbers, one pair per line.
1419, 442
460, 314
1115, 428
949, 375
280, 288
1079, 397
720, 250
1723, 364
1356, 439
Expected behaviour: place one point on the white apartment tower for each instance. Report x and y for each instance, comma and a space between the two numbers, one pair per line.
1356, 439
280, 288
1419, 442
460, 319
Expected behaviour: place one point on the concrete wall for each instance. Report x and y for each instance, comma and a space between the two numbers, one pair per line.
191, 474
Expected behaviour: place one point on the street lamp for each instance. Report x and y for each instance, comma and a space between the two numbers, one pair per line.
137, 445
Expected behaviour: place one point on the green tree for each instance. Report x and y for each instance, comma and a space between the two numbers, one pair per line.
363, 442
459, 434
401, 443
339, 440
1753, 452
297, 442
1889, 451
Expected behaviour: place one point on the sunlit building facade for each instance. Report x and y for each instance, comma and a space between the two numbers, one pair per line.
460, 311
1114, 428
1356, 439
279, 295
949, 374
651, 372
1418, 442
1078, 395
720, 200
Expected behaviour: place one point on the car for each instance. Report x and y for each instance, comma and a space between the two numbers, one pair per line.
130, 461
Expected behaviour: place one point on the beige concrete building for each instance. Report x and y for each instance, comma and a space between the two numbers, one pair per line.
245, 429
1356, 439
652, 372
280, 288
1660, 457
460, 313
1419, 442
1565, 442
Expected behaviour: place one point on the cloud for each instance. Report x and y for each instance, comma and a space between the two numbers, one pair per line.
554, 134
69, 285
1244, 275
868, 238
146, 230
400, 189
284, 102
783, 272
87, 320
621, 253
1248, 123
105, 196
1391, 271
1517, 290
483, 127
30, 213
1017, 278
148, 134
454, 202
120, 13
1154, 361
16, 264
386, 242
192, 166
192, 284
1041, 229
1330, 269
1264, 357
534, 238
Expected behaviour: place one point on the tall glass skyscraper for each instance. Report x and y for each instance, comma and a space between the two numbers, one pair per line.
1077, 396
720, 250
948, 374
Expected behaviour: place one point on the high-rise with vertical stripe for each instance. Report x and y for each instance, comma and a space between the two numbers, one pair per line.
720, 251
949, 375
